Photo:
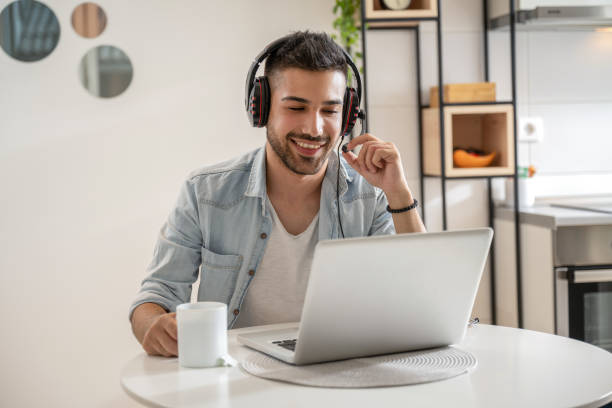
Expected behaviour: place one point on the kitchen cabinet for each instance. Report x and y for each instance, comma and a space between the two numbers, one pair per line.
567, 272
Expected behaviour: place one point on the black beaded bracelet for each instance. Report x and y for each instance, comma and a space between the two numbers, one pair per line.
414, 204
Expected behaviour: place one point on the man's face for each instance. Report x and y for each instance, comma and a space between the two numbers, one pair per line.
305, 117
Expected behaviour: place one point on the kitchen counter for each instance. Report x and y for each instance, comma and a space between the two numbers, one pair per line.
551, 217
551, 236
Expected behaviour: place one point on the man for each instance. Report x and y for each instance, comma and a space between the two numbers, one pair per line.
253, 222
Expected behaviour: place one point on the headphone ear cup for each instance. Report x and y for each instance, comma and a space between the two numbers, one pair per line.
350, 110
265, 101
259, 99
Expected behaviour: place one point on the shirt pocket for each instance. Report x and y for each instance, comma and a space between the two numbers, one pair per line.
212, 261
219, 276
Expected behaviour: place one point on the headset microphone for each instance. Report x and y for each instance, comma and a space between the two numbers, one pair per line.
360, 115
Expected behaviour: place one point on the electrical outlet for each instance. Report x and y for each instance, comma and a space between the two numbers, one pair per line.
531, 129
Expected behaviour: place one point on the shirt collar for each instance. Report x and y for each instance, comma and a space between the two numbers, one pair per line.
257, 177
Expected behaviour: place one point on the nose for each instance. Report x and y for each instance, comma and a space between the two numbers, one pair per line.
314, 124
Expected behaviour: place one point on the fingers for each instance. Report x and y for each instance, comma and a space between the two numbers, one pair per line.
161, 338
384, 155
361, 139
153, 347
169, 346
351, 159
366, 153
373, 156
171, 327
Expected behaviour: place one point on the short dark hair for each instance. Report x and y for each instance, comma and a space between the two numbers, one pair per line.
309, 51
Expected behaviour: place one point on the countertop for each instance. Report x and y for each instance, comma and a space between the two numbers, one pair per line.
553, 217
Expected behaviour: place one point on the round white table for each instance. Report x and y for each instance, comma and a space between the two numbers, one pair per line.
516, 368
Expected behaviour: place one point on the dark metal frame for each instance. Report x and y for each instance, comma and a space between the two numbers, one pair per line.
443, 178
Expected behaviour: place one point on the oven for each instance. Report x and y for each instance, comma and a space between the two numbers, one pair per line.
583, 283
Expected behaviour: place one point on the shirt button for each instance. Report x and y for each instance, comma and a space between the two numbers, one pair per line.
264, 235
236, 311
252, 272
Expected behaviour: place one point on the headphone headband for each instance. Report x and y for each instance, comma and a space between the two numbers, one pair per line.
271, 48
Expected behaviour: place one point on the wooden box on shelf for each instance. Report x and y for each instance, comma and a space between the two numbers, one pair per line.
469, 92
417, 9
485, 127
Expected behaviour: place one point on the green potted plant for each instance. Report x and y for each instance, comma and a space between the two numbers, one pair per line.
346, 24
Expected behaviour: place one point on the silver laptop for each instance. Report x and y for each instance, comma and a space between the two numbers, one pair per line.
381, 295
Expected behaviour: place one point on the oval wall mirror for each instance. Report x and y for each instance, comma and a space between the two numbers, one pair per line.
29, 30
106, 71
88, 20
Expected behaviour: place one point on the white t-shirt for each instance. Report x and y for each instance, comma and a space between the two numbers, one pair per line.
276, 293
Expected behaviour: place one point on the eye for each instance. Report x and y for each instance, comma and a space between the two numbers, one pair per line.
331, 112
293, 108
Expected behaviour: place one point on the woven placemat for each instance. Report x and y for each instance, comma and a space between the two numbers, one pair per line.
413, 367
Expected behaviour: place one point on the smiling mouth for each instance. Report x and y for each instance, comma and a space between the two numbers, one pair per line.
308, 145
308, 148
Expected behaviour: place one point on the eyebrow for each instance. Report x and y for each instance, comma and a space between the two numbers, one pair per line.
307, 102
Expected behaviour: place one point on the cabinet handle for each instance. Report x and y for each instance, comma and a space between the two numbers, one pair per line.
580, 276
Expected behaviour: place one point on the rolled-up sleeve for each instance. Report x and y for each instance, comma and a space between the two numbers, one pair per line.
176, 257
383, 221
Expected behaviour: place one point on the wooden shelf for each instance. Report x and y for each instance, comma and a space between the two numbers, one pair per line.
418, 9
391, 24
485, 127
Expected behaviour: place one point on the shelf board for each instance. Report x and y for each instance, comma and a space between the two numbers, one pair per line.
391, 23
469, 177
477, 103
471, 104
477, 172
418, 10
415, 20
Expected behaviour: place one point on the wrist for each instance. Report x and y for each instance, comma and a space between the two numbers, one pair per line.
400, 199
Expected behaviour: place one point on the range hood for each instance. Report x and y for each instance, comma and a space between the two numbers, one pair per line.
551, 15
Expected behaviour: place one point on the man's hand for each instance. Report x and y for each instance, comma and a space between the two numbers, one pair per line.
161, 338
155, 329
379, 163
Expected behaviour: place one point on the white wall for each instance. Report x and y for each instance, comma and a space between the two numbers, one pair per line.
86, 183
568, 84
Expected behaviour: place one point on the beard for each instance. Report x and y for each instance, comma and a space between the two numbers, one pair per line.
295, 162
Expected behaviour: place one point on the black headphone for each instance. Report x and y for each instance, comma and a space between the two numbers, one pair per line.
257, 92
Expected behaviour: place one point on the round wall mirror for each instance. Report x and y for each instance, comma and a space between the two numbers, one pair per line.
29, 30
106, 71
88, 20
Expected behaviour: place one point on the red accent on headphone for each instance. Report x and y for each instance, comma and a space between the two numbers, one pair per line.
260, 103
349, 114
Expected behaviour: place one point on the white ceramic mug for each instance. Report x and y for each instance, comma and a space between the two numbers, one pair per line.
202, 334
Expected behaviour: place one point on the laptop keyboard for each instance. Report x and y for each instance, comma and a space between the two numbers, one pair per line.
288, 344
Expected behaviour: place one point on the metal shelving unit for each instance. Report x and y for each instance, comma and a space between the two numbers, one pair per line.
442, 105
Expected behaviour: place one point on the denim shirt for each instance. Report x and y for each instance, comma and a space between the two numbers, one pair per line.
220, 226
